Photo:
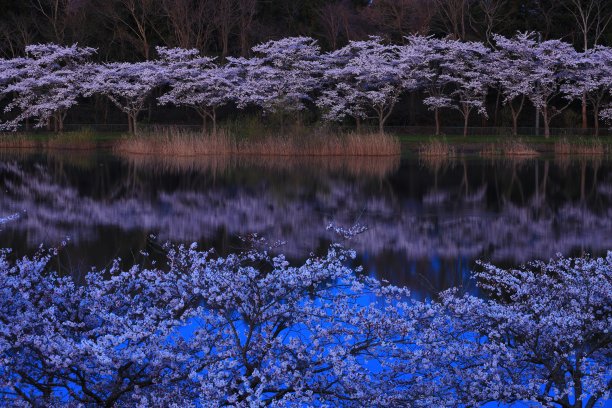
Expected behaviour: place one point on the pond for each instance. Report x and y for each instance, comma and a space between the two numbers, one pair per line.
428, 221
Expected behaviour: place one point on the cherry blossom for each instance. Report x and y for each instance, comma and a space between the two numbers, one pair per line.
46, 83
198, 82
252, 329
363, 76
127, 85
542, 75
282, 77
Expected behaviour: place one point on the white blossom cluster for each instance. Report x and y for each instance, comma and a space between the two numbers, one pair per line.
251, 329
365, 79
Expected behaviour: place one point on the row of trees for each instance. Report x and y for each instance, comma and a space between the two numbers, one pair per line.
362, 80
130, 29
250, 329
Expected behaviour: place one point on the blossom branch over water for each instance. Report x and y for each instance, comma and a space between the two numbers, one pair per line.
251, 329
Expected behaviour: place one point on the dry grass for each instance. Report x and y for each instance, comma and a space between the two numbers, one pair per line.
178, 143
590, 147
587, 147
518, 148
364, 166
563, 147
436, 148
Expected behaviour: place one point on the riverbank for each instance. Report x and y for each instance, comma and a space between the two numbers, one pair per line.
178, 143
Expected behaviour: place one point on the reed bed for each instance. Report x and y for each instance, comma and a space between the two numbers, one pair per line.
590, 147
436, 148
179, 143
563, 147
509, 148
587, 147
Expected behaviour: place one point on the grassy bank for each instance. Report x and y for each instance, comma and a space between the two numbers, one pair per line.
78, 140
304, 141
491, 147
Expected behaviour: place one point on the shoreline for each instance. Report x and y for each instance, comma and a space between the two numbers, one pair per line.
400, 145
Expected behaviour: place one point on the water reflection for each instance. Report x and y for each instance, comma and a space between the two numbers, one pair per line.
428, 222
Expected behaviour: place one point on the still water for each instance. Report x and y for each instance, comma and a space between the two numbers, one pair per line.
428, 221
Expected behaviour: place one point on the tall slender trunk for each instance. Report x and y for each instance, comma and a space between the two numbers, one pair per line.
585, 122
466, 118
130, 124
214, 120
596, 121
546, 122
60, 121
437, 116
381, 120
496, 108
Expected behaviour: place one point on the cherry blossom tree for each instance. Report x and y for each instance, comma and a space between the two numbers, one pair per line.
11, 71
546, 329
548, 67
251, 329
426, 58
243, 329
466, 69
283, 75
592, 79
510, 66
453, 73
127, 85
365, 76
199, 83
50, 82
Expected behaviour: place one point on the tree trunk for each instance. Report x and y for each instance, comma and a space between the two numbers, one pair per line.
60, 122
437, 116
585, 122
496, 108
204, 124
130, 124
214, 120
546, 123
466, 118
596, 121
514, 123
